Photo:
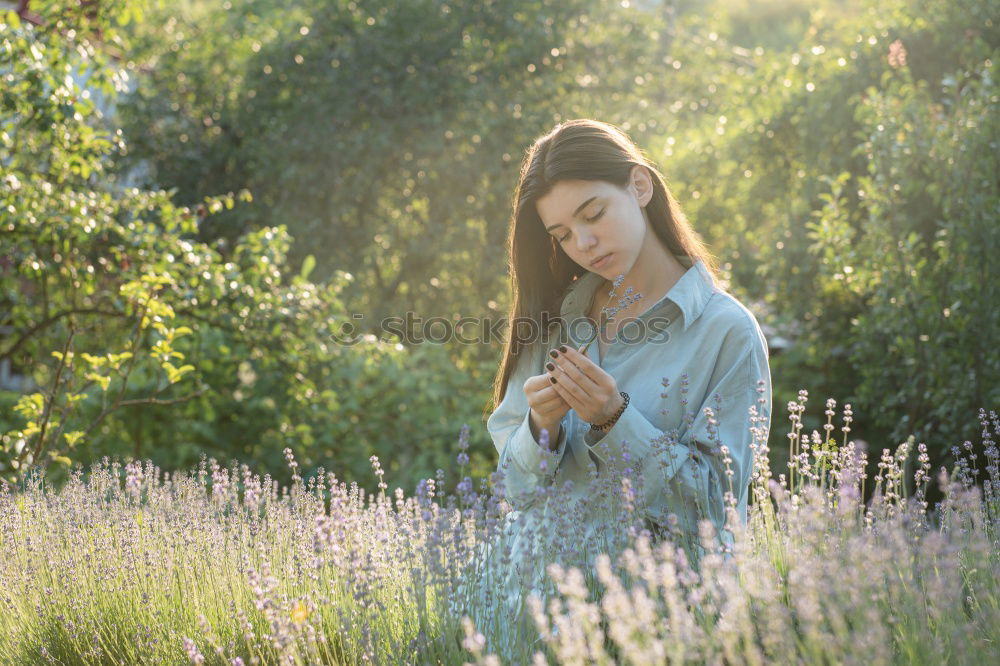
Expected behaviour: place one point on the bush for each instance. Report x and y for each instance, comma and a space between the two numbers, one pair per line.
139, 339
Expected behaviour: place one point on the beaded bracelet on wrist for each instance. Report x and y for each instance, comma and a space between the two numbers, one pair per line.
604, 427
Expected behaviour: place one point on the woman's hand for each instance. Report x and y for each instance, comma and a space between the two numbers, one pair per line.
584, 385
547, 407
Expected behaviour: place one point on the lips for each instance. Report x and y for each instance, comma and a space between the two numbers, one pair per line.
600, 259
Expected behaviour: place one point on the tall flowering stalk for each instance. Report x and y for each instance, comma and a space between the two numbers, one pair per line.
608, 314
127, 564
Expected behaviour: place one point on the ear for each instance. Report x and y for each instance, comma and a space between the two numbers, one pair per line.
642, 184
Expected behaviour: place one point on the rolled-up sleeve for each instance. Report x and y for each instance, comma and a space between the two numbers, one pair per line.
509, 425
686, 474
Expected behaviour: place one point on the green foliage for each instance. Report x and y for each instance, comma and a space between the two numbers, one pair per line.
137, 334
855, 198
927, 347
851, 201
385, 135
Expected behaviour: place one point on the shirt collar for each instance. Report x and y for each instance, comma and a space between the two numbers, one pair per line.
690, 293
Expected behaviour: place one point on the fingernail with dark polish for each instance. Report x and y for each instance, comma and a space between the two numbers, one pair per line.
554, 354
553, 379
562, 349
550, 366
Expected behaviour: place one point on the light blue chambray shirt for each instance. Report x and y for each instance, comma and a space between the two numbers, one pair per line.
697, 329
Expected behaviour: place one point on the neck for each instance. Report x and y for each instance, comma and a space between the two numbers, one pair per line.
651, 276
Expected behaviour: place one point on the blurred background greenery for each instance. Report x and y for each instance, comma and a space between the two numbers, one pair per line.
196, 196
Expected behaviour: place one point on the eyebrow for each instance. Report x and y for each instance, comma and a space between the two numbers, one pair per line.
575, 212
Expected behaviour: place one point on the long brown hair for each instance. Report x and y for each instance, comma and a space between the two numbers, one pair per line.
540, 270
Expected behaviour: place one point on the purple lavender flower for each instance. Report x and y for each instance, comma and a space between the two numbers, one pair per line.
608, 314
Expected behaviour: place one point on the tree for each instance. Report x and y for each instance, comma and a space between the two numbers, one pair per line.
141, 339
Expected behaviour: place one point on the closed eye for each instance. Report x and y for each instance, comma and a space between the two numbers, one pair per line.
588, 219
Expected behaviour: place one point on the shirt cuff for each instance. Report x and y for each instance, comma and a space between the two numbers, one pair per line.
528, 454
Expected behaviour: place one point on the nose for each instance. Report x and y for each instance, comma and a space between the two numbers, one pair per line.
584, 241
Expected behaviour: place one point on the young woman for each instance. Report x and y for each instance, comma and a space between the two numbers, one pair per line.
590, 211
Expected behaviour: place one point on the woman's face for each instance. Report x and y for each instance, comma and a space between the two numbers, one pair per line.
591, 219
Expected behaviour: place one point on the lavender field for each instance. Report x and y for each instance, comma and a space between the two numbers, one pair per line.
219, 566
